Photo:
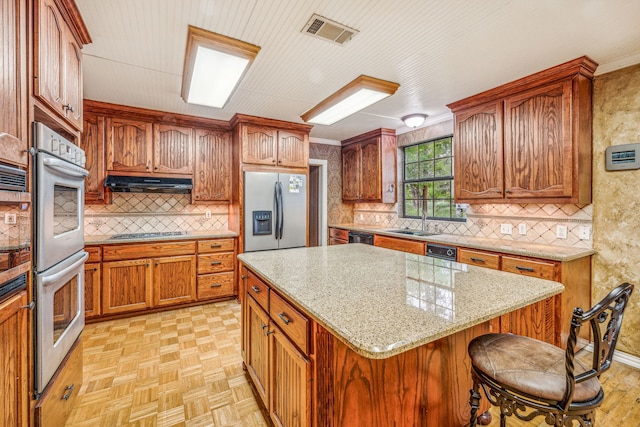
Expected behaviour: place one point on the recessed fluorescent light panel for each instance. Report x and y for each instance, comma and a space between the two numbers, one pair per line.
213, 67
360, 93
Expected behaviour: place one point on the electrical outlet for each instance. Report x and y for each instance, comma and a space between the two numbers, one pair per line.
505, 228
207, 213
377, 219
584, 232
522, 229
361, 217
10, 218
561, 231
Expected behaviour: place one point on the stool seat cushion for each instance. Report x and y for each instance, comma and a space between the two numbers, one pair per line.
529, 366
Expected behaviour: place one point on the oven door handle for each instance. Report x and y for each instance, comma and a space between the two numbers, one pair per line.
46, 280
65, 167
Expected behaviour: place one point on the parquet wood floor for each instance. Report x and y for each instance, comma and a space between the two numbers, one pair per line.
183, 368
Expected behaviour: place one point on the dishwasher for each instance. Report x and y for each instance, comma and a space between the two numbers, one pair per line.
442, 251
358, 237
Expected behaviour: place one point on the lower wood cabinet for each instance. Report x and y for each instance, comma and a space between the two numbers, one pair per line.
404, 245
338, 236
92, 290
174, 280
280, 371
126, 286
14, 361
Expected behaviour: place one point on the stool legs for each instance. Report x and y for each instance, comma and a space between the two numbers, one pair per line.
474, 401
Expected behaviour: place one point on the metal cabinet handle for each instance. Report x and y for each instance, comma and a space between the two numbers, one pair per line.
147, 264
216, 262
507, 191
69, 108
243, 276
498, 191
216, 285
269, 332
31, 306
157, 264
284, 318
529, 269
215, 246
255, 289
264, 325
477, 260
68, 392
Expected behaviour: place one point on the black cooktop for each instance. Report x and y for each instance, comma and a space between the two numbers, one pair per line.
146, 235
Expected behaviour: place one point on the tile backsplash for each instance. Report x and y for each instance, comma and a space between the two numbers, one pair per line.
18, 233
541, 222
143, 213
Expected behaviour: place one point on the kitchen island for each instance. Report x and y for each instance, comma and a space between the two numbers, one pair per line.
356, 335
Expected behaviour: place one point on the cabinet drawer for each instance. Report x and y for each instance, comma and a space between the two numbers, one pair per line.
543, 270
481, 259
290, 320
215, 263
258, 290
150, 250
404, 245
215, 285
338, 233
217, 245
95, 253
62, 392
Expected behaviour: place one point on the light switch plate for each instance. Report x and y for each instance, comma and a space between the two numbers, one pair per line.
561, 231
207, 213
377, 219
522, 229
584, 232
10, 218
505, 228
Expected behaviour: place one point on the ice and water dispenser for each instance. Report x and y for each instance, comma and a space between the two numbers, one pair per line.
261, 222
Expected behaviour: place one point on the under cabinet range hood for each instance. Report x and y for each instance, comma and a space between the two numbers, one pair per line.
146, 184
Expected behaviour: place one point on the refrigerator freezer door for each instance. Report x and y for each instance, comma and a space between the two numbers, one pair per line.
259, 195
294, 211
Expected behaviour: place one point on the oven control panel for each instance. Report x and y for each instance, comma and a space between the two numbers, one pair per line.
54, 143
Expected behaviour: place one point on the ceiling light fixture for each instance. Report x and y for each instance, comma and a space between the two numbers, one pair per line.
213, 67
414, 120
360, 93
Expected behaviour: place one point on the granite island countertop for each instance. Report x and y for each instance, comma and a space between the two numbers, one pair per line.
382, 302
188, 235
550, 252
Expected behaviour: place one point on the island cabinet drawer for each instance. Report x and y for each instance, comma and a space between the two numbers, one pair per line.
541, 269
215, 285
215, 263
338, 233
217, 245
290, 321
95, 253
404, 245
258, 290
147, 250
481, 259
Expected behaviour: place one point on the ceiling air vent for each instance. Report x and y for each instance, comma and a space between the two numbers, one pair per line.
319, 26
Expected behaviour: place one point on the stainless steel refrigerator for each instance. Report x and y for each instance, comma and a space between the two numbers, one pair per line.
275, 211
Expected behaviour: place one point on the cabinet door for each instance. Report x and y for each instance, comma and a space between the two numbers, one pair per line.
537, 154
293, 149
351, 172
126, 286
212, 180
92, 287
174, 280
172, 149
92, 142
129, 147
49, 55
13, 83
73, 81
290, 382
259, 145
370, 170
257, 349
14, 362
477, 156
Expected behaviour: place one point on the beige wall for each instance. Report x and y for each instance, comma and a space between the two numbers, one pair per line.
616, 196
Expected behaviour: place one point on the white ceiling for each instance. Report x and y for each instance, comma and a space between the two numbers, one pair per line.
439, 51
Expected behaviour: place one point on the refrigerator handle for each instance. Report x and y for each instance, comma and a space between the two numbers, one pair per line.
281, 204
276, 204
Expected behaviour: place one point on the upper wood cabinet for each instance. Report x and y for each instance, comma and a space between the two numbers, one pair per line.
93, 144
57, 58
129, 145
528, 141
268, 146
172, 149
369, 167
212, 177
13, 83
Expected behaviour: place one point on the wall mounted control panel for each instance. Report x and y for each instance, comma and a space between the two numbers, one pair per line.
622, 157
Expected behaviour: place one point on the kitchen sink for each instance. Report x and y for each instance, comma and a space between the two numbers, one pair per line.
412, 232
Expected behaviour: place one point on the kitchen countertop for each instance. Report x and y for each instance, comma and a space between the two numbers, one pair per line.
107, 239
382, 302
550, 252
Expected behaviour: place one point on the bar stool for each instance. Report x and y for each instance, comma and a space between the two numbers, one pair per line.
530, 378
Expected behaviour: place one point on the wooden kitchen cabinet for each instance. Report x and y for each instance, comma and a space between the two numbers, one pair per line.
127, 286
216, 264
92, 290
174, 280
269, 146
172, 149
14, 361
257, 349
338, 236
369, 167
93, 144
536, 132
14, 141
58, 60
212, 177
129, 145
398, 244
